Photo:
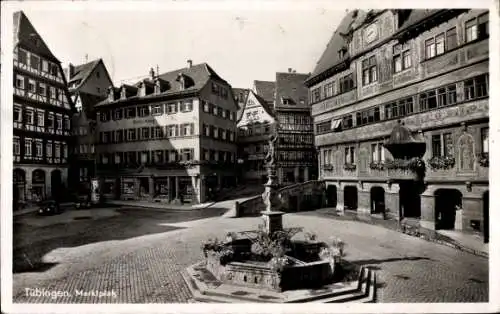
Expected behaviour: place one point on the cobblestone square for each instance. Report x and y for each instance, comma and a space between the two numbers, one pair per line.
139, 254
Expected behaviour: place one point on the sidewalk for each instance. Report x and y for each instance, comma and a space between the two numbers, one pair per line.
158, 205
457, 239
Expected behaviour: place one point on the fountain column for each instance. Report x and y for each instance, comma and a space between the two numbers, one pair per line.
273, 218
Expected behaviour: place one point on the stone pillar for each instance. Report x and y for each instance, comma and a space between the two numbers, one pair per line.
296, 174
202, 193
29, 181
472, 210
392, 202
364, 202
196, 189
176, 188
340, 199
137, 188
48, 184
428, 213
151, 187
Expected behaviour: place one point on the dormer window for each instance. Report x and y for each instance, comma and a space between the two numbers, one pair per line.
182, 81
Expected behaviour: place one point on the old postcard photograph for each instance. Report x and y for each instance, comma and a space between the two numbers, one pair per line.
187, 156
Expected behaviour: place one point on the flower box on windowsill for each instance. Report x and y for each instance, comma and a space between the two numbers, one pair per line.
441, 162
377, 166
350, 167
328, 167
484, 160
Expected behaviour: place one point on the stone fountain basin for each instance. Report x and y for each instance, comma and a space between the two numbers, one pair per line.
256, 274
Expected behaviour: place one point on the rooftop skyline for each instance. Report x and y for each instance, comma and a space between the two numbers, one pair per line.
241, 46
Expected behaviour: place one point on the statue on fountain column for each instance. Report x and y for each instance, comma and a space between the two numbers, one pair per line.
270, 196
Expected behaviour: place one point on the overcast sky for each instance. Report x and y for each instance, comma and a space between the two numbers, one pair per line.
241, 46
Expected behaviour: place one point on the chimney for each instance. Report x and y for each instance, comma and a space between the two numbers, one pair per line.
189, 63
70, 71
289, 70
152, 74
111, 93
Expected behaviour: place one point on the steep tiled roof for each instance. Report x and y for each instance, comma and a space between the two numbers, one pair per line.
241, 95
27, 36
265, 89
82, 72
88, 103
416, 16
196, 77
291, 86
265, 105
330, 56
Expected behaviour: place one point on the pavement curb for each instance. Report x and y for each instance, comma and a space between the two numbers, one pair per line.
159, 208
443, 240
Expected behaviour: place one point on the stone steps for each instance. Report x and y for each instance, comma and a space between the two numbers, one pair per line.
360, 291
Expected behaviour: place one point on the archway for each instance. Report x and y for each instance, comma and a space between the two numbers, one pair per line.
56, 184
331, 196
486, 216
409, 199
448, 201
351, 197
377, 199
38, 185
19, 187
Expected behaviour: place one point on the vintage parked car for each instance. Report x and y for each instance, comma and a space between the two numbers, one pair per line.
49, 207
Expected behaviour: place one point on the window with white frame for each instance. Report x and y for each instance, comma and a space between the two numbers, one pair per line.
17, 146
45, 66
442, 145
157, 110
349, 156
485, 138
186, 106
223, 134
172, 108
65, 150
144, 111
18, 114
42, 90
22, 56
369, 67
35, 61
29, 116
231, 136
378, 152
31, 85
50, 120
476, 87
118, 114
131, 135
401, 57
57, 150
48, 148
206, 106
67, 126
130, 113
53, 93
28, 145
19, 81
40, 118
39, 148
59, 122
477, 28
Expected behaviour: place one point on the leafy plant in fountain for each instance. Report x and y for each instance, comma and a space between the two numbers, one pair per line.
222, 250
442, 162
415, 164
